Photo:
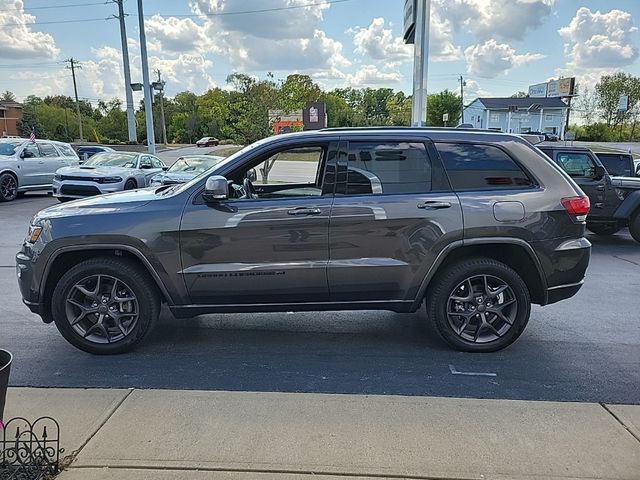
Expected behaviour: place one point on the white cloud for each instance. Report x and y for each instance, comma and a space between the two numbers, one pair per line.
491, 59
369, 75
508, 19
378, 43
187, 72
19, 41
600, 40
174, 35
473, 90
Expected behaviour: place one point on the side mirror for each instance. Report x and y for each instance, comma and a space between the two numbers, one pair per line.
599, 172
251, 175
26, 154
165, 168
216, 189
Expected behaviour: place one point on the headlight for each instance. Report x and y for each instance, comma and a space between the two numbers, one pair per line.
34, 233
111, 180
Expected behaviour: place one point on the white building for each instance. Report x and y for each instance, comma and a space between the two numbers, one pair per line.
518, 115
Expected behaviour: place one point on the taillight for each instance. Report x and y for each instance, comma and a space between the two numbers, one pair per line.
578, 206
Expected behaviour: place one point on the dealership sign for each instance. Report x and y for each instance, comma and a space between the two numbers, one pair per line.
563, 87
623, 103
409, 30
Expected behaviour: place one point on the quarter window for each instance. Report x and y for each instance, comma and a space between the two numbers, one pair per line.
388, 168
481, 167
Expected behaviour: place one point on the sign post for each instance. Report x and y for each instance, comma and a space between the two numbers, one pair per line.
623, 103
417, 18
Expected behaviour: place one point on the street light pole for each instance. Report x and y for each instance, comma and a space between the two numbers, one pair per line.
164, 125
74, 65
131, 118
462, 85
146, 85
420, 63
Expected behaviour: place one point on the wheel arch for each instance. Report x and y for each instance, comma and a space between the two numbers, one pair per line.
515, 253
11, 172
65, 258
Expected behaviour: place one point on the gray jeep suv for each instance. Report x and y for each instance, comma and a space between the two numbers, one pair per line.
478, 225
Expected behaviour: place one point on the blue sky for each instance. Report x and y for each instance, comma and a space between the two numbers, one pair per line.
498, 46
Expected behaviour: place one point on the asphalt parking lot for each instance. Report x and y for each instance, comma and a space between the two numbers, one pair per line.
583, 349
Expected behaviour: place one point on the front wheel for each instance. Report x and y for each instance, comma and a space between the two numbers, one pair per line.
8, 187
105, 305
130, 184
479, 305
634, 226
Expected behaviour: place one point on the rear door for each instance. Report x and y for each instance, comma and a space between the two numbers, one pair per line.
394, 212
52, 161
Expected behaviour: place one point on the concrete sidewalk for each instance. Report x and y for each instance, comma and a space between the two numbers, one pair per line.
195, 435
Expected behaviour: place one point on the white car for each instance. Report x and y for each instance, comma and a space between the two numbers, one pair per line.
27, 165
106, 172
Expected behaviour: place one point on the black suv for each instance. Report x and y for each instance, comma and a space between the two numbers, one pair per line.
615, 201
478, 224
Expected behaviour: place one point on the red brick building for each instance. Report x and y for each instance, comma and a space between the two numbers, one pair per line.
10, 115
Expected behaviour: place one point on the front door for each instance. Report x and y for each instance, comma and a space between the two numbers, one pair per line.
269, 242
33, 166
393, 214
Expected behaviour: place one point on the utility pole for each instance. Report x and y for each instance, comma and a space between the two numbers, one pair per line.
131, 118
420, 63
74, 65
146, 85
462, 85
164, 125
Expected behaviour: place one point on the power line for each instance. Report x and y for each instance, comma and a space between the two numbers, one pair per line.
49, 7
53, 22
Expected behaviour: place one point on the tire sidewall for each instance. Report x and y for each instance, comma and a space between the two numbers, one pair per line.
130, 181
2, 197
437, 303
135, 279
634, 226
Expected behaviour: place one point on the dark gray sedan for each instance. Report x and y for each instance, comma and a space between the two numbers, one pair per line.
185, 169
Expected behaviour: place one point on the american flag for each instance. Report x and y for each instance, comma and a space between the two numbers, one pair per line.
32, 137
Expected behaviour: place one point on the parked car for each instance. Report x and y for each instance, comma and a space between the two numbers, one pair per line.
548, 136
27, 165
617, 164
207, 142
185, 169
85, 152
636, 165
615, 201
371, 219
106, 172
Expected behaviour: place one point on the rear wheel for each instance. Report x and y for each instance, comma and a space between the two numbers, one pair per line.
105, 305
8, 187
479, 305
130, 184
603, 228
634, 226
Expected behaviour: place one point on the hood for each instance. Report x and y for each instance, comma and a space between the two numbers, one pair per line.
631, 183
110, 203
90, 171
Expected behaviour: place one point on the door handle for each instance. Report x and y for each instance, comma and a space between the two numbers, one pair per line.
304, 211
434, 205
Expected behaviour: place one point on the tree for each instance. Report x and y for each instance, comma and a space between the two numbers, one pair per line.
399, 108
297, 90
520, 94
585, 104
609, 89
440, 103
30, 120
7, 96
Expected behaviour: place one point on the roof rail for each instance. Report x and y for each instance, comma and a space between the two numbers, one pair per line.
404, 127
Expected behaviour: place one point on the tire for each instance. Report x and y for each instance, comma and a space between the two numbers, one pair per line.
603, 228
137, 302
130, 184
8, 187
477, 335
634, 226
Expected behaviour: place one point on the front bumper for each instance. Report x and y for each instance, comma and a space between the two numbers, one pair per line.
28, 281
82, 189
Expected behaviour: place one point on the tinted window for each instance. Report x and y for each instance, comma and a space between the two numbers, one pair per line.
388, 168
481, 167
48, 150
156, 162
577, 164
145, 162
616, 164
66, 150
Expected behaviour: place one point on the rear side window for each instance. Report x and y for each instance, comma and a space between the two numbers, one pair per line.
388, 168
48, 150
66, 150
481, 167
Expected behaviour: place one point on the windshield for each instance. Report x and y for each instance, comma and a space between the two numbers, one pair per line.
8, 148
195, 164
112, 159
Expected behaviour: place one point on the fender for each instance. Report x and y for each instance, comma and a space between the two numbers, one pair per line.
449, 249
103, 246
628, 206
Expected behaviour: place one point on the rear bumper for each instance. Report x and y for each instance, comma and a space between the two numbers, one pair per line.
562, 292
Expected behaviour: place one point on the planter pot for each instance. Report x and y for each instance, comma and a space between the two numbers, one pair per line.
5, 367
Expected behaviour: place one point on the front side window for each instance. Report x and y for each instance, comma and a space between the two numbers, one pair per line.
31, 150
577, 164
156, 162
388, 168
481, 167
288, 173
145, 162
48, 150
